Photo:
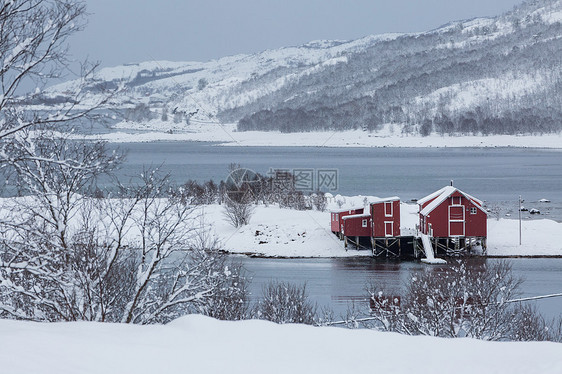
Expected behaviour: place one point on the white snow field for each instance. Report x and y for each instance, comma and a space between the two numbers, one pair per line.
279, 232
198, 344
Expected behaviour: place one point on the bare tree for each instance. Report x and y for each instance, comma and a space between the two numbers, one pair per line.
65, 255
129, 257
47, 232
32, 50
238, 211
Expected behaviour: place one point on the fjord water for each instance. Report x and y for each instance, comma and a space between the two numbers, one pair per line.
497, 175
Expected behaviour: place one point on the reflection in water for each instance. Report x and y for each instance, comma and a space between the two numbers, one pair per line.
338, 282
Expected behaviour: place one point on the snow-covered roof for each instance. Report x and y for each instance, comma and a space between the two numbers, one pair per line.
345, 210
435, 194
366, 215
384, 199
442, 195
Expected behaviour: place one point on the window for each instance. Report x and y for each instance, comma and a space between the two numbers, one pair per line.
456, 200
473, 210
389, 228
388, 209
364, 223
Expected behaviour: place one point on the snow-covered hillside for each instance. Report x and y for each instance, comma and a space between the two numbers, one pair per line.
498, 75
203, 345
177, 84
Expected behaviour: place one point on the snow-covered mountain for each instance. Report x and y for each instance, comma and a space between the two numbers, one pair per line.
486, 75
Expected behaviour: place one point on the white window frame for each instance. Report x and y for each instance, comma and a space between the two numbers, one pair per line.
391, 228
463, 220
364, 223
473, 211
459, 201
391, 209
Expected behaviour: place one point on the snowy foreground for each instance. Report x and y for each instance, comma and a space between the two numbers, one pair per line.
275, 232
197, 344
389, 136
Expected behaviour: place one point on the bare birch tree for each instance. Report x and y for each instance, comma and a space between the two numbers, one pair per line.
132, 257
65, 255
33, 34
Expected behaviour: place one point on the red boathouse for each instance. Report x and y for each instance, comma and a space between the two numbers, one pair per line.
336, 220
357, 225
386, 217
452, 214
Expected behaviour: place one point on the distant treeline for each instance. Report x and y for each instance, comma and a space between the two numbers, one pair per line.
260, 189
520, 121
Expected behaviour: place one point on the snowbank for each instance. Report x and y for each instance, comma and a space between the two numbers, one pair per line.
389, 136
276, 232
203, 345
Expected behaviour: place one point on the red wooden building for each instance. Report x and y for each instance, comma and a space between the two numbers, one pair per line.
357, 225
385, 215
452, 213
336, 220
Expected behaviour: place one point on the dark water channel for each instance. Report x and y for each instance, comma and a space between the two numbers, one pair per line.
338, 282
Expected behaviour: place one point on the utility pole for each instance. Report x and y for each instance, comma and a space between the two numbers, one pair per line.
519, 219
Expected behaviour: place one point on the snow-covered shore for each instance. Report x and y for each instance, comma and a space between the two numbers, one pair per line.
277, 232
204, 345
389, 136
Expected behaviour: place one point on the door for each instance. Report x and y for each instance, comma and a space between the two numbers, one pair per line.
388, 228
456, 220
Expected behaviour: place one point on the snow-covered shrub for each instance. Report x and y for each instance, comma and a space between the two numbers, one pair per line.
238, 212
319, 201
529, 325
285, 303
459, 301
230, 298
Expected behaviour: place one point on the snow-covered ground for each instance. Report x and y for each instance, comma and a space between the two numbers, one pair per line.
203, 345
389, 136
279, 232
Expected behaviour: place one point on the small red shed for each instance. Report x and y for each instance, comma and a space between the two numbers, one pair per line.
450, 213
357, 225
336, 217
385, 214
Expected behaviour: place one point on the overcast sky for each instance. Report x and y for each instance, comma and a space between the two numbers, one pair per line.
124, 31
